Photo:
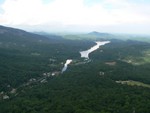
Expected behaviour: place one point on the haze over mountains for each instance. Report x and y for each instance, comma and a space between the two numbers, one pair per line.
112, 16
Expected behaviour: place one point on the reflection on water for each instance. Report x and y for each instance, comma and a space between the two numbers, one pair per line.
66, 65
85, 54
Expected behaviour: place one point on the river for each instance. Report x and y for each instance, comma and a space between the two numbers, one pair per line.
85, 54
66, 65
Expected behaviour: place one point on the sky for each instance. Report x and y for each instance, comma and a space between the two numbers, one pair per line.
114, 16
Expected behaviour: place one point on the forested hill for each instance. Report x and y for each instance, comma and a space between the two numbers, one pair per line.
19, 51
11, 35
25, 55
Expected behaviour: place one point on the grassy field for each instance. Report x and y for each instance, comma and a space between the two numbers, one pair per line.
133, 83
138, 60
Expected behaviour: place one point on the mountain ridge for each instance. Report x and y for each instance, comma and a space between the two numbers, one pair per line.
99, 33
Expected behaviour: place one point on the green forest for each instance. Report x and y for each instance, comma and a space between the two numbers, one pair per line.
116, 78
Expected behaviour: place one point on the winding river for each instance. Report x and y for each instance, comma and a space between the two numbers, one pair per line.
85, 54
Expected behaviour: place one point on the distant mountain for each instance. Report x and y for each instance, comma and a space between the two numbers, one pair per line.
8, 34
99, 34
42, 33
50, 36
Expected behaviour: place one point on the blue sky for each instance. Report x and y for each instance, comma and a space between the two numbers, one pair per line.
115, 16
1, 1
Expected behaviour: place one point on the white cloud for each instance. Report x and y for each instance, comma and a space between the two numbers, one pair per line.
22, 11
73, 12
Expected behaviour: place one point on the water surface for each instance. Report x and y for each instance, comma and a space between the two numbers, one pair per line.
85, 54
68, 61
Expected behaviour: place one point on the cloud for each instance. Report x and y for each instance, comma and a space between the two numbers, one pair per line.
22, 11
73, 12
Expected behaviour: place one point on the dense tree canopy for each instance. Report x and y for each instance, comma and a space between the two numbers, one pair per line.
86, 86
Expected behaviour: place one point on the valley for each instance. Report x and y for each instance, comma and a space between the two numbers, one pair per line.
51, 74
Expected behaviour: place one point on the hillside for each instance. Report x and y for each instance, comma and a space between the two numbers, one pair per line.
25, 55
11, 35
